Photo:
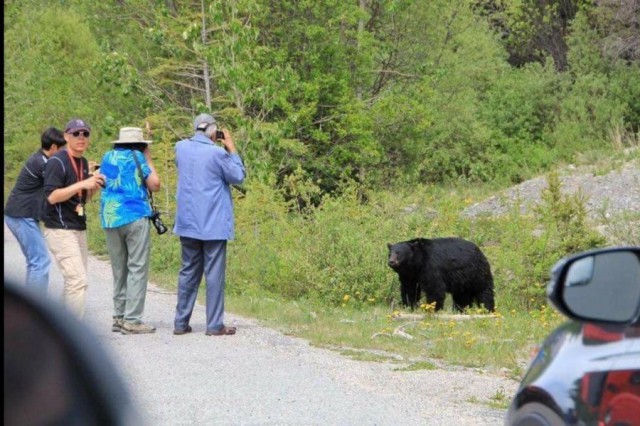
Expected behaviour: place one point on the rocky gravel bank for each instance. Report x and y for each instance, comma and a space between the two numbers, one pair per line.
609, 197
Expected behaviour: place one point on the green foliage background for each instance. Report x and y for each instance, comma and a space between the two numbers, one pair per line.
360, 123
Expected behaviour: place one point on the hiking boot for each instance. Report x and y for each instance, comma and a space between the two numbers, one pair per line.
131, 328
117, 324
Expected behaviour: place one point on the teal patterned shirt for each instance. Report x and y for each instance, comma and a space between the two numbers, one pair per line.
123, 199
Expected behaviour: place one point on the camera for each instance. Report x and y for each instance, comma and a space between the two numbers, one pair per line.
219, 134
157, 222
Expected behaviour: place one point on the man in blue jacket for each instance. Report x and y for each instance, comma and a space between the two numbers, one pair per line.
204, 220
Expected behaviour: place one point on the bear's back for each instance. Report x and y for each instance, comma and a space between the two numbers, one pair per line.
452, 252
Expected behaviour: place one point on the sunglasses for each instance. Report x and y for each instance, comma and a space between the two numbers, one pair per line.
84, 133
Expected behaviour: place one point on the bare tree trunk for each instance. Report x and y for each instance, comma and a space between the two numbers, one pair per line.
205, 64
360, 31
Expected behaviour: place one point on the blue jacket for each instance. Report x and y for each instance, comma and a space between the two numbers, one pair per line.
205, 173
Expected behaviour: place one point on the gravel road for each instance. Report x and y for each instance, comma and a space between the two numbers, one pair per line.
262, 377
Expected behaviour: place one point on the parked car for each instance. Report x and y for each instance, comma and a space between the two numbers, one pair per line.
587, 371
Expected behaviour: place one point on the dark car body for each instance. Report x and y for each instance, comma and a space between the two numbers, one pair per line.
585, 372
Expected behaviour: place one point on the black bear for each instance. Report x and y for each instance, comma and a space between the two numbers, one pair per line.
442, 265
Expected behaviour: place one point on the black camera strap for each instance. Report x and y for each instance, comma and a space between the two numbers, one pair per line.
149, 194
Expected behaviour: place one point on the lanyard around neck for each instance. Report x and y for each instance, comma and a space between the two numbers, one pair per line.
79, 173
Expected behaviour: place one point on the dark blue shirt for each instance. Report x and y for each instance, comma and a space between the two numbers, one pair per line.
59, 173
27, 196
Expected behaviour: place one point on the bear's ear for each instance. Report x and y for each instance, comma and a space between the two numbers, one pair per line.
389, 246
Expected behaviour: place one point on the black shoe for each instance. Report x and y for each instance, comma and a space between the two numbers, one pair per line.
181, 331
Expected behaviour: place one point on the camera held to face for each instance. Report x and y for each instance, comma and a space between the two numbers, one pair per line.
157, 222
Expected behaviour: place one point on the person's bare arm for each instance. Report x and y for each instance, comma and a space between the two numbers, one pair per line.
92, 185
153, 180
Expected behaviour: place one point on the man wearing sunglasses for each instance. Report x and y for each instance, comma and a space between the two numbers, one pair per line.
68, 186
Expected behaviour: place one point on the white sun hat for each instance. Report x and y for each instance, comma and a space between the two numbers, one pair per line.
131, 135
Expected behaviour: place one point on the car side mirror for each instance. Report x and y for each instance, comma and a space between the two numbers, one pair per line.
601, 285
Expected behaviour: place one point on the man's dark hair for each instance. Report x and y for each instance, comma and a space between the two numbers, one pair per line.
52, 136
137, 146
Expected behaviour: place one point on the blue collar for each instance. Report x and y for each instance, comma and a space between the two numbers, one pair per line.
201, 138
